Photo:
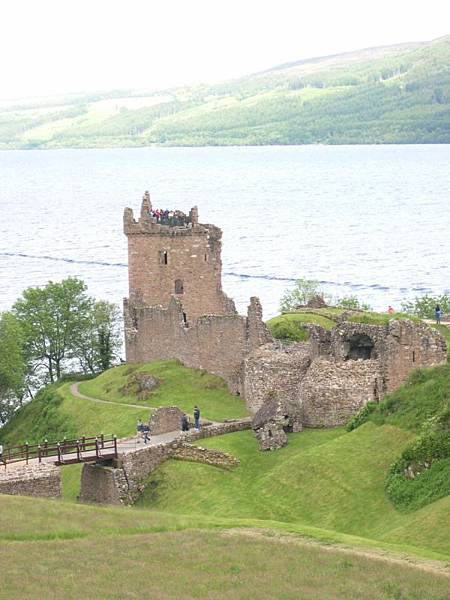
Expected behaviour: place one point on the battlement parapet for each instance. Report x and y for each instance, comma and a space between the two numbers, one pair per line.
165, 222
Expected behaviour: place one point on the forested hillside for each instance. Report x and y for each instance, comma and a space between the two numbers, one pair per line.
394, 94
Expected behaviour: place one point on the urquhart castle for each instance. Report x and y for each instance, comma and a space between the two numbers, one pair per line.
177, 310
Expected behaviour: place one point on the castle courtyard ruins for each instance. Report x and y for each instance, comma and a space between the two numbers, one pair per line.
177, 310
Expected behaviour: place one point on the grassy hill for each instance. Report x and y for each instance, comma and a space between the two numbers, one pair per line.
313, 517
393, 94
56, 412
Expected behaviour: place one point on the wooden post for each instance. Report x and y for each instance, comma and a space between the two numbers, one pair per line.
96, 448
39, 453
45, 447
59, 453
115, 446
83, 441
102, 439
78, 451
26, 451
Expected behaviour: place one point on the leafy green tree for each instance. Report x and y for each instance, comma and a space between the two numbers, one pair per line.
101, 340
352, 303
423, 306
53, 319
303, 292
12, 365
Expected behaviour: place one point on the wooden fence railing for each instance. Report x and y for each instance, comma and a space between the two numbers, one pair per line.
64, 451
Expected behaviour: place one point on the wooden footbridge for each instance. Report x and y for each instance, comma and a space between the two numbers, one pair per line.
65, 452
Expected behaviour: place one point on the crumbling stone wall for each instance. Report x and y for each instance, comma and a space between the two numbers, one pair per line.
216, 343
176, 306
40, 480
165, 419
332, 392
275, 372
207, 456
274, 420
338, 371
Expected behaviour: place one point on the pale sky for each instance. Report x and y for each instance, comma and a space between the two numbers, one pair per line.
58, 46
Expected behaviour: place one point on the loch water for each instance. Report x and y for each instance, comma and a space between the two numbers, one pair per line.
373, 221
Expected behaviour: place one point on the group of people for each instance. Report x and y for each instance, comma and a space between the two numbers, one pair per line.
143, 429
185, 420
169, 217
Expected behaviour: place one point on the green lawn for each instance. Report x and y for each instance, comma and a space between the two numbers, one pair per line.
178, 386
323, 478
209, 565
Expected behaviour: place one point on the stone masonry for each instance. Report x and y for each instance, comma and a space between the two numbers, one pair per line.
125, 480
40, 480
329, 378
176, 307
165, 419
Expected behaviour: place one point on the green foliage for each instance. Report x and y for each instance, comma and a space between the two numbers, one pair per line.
361, 416
52, 319
101, 338
424, 306
289, 330
374, 318
303, 291
422, 405
12, 365
445, 332
352, 303
290, 326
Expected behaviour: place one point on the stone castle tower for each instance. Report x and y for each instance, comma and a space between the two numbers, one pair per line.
175, 255
176, 306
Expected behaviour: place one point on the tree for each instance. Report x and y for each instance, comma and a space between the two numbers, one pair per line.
12, 365
53, 319
423, 306
303, 292
352, 303
101, 340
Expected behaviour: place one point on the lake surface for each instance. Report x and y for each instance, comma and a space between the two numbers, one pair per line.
367, 220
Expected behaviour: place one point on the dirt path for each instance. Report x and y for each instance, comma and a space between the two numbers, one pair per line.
76, 392
431, 566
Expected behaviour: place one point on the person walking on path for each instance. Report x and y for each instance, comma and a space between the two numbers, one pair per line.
438, 314
146, 433
197, 417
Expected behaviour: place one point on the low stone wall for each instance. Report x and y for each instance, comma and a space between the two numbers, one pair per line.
40, 480
206, 456
131, 469
217, 429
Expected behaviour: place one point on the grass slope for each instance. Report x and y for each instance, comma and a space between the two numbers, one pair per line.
324, 478
396, 94
56, 413
121, 552
178, 386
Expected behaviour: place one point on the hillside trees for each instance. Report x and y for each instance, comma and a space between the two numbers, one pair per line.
62, 324
12, 365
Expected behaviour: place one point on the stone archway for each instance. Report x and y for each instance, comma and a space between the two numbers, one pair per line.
359, 346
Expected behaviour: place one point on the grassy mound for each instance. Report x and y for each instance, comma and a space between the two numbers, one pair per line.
289, 326
56, 412
178, 386
422, 472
